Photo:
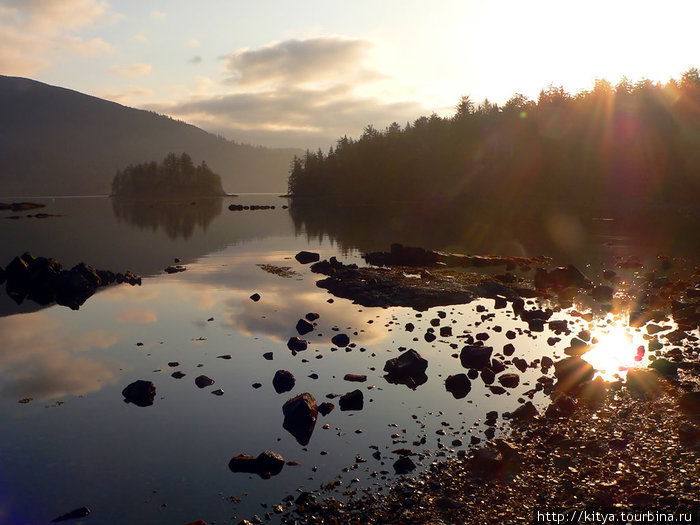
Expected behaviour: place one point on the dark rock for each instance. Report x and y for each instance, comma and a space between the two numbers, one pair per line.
267, 464
300, 414
445, 331
524, 412
311, 316
409, 327
546, 362
255, 297
485, 462
577, 347
203, 381
520, 364
174, 269
508, 349
509, 380
355, 377
141, 393
571, 372
602, 293
305, 257
268, 356
73, 288
407, 369
304, 327
487, 375
340, 340
82, 512
326, 408
352, 401
665, 367
559, 326
476, 356
689, 402
497, 366
296, 344
458, 385
404, 465
283, 381
218, 392
689, 434
641, 381
562, 406
178, 375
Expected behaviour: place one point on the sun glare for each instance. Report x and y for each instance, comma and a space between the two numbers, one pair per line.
616, 350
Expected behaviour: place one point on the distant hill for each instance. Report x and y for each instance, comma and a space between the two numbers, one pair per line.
55, 141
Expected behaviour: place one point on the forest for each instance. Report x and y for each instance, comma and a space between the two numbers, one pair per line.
175, 177
627, 145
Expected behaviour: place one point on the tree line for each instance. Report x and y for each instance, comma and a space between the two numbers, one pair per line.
632, 143
175, 176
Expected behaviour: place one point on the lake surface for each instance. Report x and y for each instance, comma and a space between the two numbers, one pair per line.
73, 441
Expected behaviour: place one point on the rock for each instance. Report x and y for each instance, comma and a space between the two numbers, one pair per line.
477, 357
408, 369
340, 340
304, 327
566, 276
562, 406
458, 385
174, 269
497, 366
602, 293
268, 356
352, 401
485, 462
689, 403
445, 331
141, 393
546, 362
559, 326
203, 381
665, 367
525, 412
520, 364
357, 378
326, 408
571, 372
300, 414
296, 344
218, 392
404, 465
283, 381
689, 434
255, 297
311, 316
641, 381
509, 380
178, 375
305, 257
82, 512
577, 347
508, 349
267, 464
487, 375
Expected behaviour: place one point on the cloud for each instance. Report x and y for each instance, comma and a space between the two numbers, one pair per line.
195, 60
192, 42
302, 93
36, 33
297, 61
140, 39
158, 15
133, 70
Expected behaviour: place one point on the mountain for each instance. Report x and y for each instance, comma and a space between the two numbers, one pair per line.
55, 141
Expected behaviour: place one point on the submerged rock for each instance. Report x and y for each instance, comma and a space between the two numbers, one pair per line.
305, 257
283, 381
141, 393
477, 357
458, 385
352, 401
407, 369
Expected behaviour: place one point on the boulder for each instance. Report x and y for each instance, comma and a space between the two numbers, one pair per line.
407, 369
305, 257
571, 372
352, 401
141, 393
304, 327
296, 344
203, 381
341, 340
509, 380
477, 357
325, 408
525, 412
267, 464
458, 385
300, 414
404, 465
283, 381
357, 378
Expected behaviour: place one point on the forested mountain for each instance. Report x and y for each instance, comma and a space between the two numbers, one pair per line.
55, 141
629, 144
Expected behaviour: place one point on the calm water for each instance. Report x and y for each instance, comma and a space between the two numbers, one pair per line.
77, 443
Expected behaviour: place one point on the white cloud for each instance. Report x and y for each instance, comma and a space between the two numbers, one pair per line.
140, 39
132, 70
158, 15
193, 42
36, 33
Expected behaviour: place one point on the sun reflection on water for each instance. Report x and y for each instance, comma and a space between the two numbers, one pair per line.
616, 348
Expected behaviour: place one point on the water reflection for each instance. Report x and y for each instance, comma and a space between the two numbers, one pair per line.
175, 218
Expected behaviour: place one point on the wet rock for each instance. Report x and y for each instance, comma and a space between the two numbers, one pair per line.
546, 362
300, 414
497, 366
203, 381
571, 372
141, 393
82, 512
304, 327
352, 401
357, 378
563, 406
520, 364
689, 402
445, 331
267, 464
283, 381
487, 375
178, 375
296, 344
477, 357
408, 369
577, 347
640, 381
305, 257
458, 385
508, 349
175, 269
525, 412
404, 465
255, 297
689, 434
311, 316
602, 293
509, 380
485, 462
665, 367
218, 392
340, 340
268, 356
326, 408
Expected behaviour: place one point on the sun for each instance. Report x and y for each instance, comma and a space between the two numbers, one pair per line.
616, 350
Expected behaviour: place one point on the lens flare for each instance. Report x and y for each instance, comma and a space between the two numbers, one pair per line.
615, 351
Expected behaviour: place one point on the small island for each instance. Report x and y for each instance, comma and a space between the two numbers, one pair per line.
175, 177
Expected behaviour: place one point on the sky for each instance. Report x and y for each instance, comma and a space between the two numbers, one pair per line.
304, 73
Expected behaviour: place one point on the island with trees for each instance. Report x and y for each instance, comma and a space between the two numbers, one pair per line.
175, 177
